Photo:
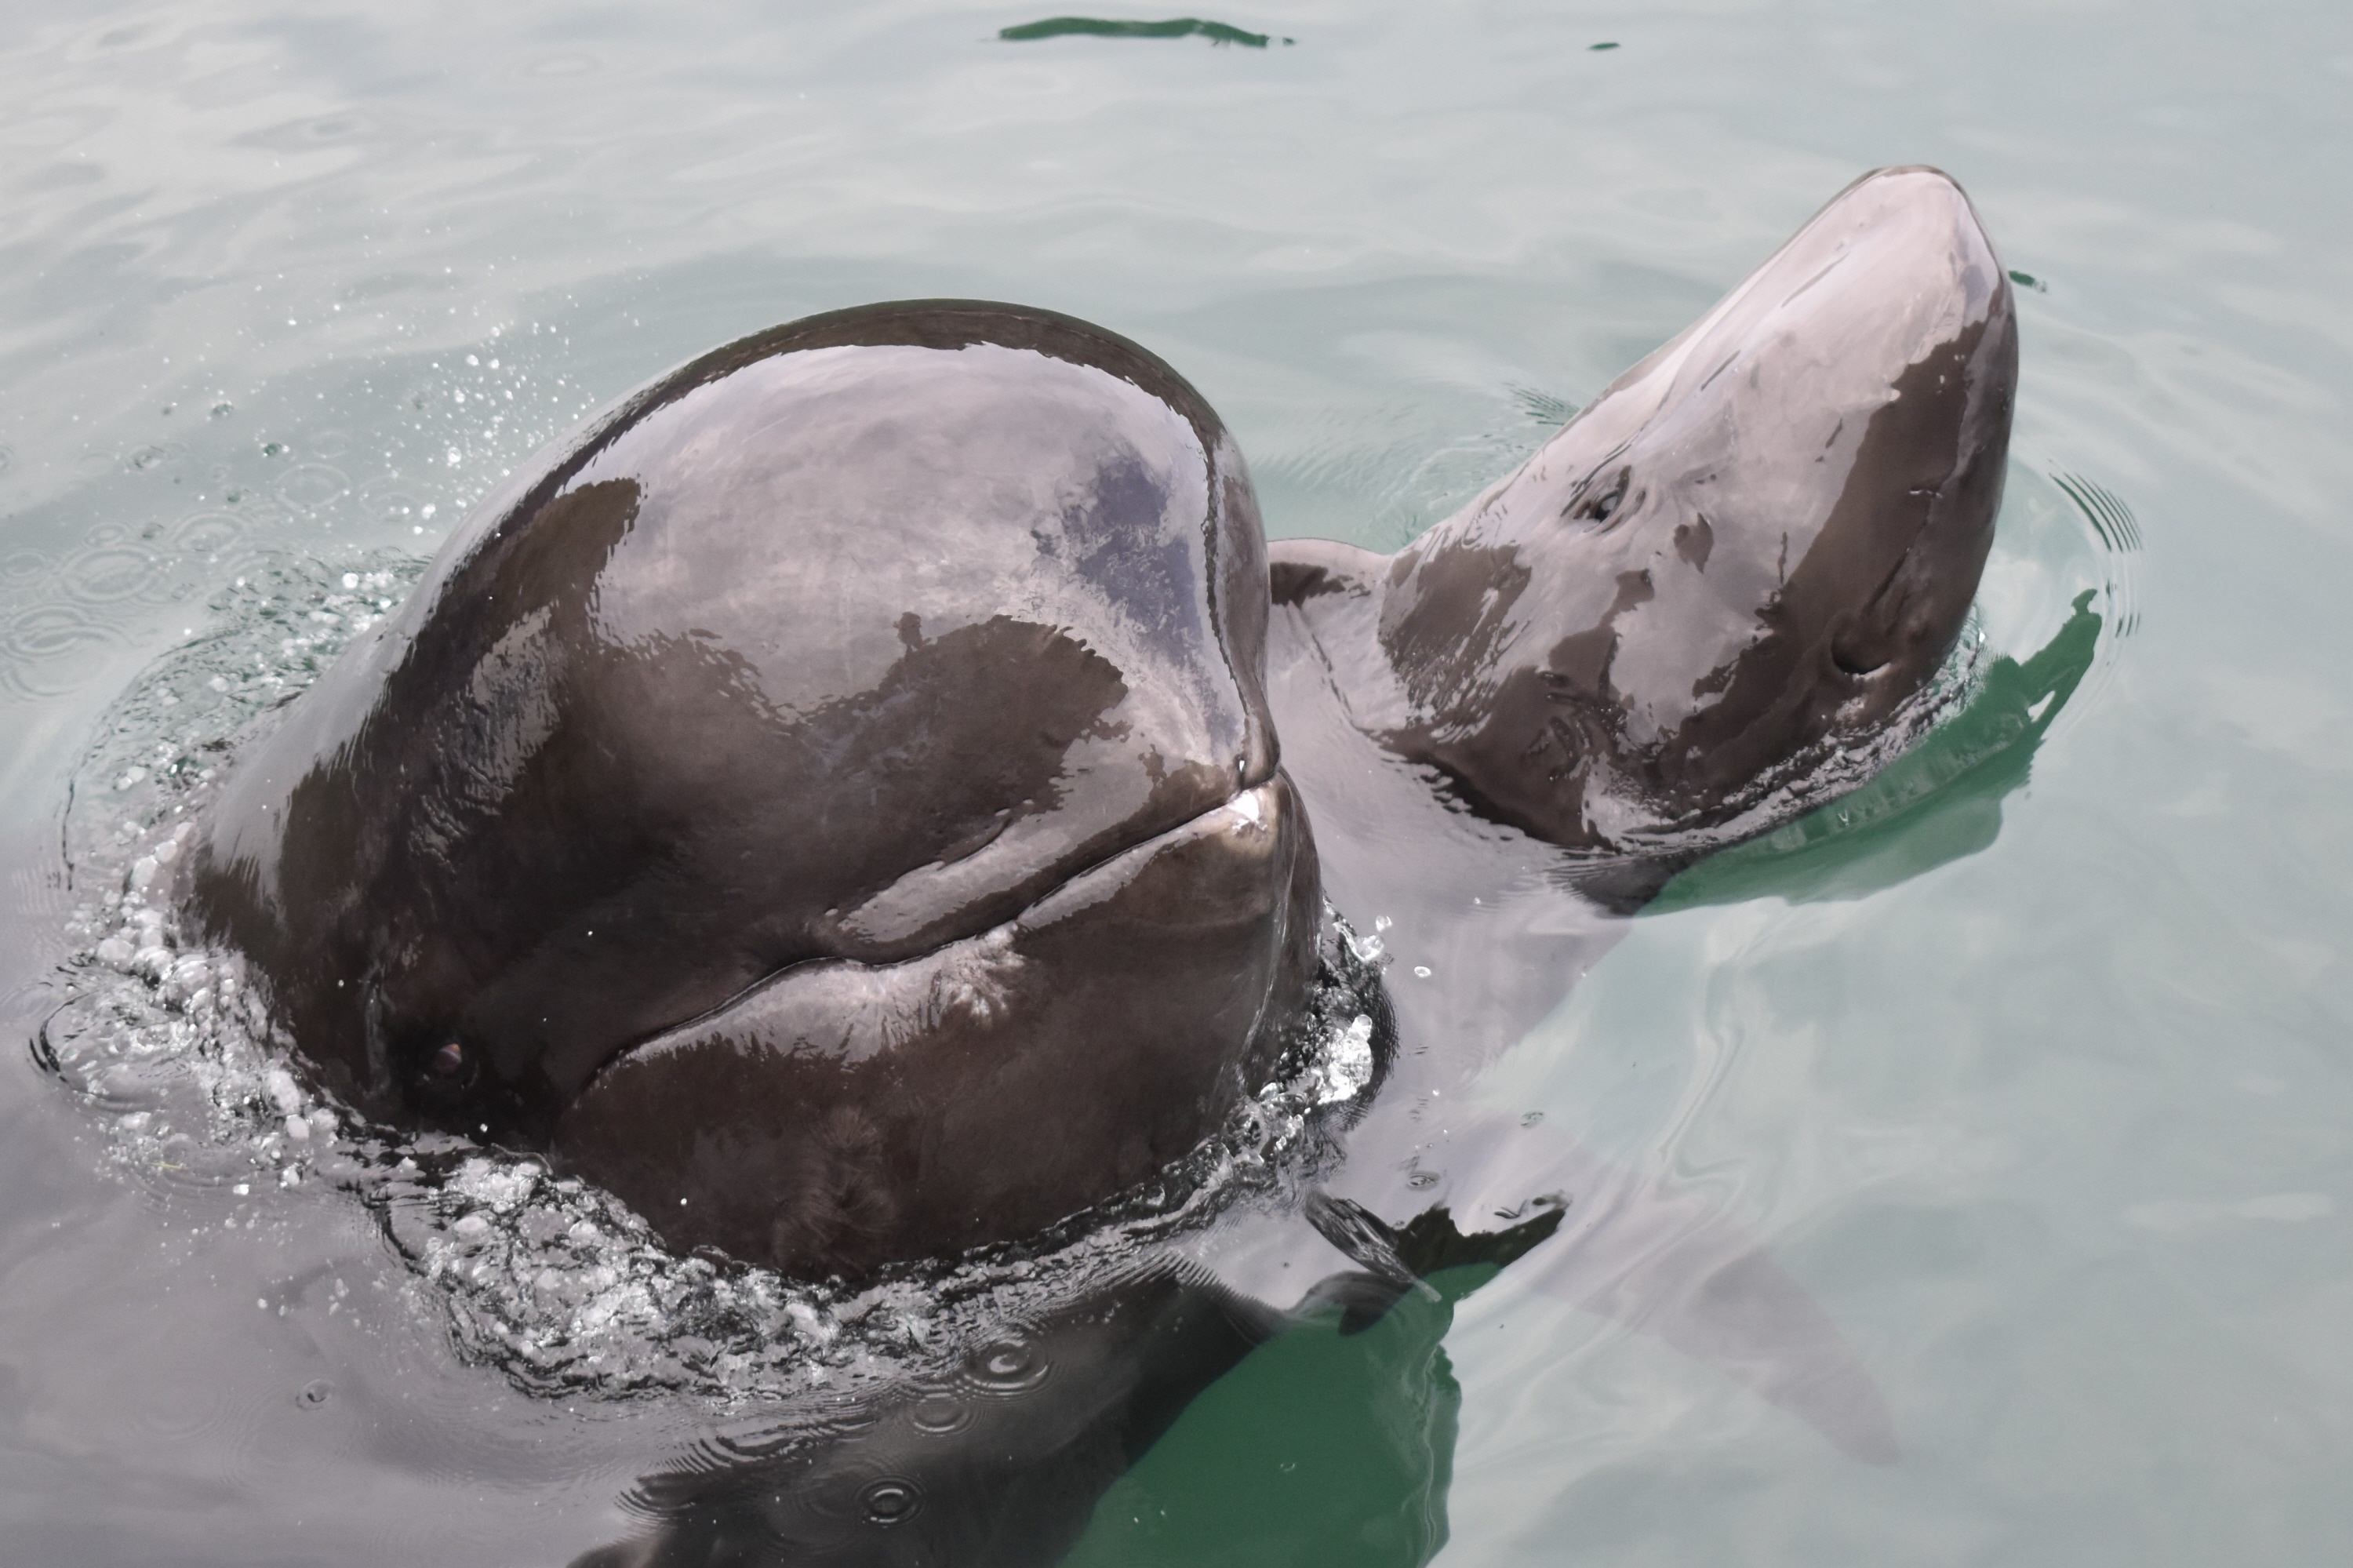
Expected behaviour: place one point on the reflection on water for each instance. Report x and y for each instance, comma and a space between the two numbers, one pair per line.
1340, 1430
1323, 1436
1157, 1417
1098, 28
1939, 801
1942, 800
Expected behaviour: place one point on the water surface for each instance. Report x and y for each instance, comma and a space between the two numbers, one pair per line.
2030, 1068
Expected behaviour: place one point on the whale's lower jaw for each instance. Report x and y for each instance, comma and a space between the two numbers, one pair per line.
840, 1116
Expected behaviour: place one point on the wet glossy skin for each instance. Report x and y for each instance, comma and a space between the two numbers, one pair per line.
835, 806
1760, 539
853, 747
1515, 730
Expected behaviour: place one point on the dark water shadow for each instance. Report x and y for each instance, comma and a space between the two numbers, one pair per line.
1102, 27
1938, 803
1158, 1419
1331, 1447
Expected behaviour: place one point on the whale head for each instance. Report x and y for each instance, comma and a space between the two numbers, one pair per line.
1745, 555
843, 759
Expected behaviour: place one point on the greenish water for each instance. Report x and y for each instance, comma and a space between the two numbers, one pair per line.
2028, 1064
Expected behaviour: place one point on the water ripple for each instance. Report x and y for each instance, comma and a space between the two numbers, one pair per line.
35, 643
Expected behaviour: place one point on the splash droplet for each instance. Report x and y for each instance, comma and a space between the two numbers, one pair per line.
1007, 1364
890, 1501
940, 1413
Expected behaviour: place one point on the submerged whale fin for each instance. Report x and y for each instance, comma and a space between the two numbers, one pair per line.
1429, 1243
1669, 1264
1000, 1459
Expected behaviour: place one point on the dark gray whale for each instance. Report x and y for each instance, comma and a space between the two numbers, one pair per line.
1761, 538
1703, 605
836, 803
778, 806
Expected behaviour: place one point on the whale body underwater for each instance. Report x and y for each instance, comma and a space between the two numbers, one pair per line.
875, 793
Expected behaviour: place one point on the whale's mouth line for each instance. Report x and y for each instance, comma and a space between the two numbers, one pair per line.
1861, 666
1852, 646
1252, 809
1835, 764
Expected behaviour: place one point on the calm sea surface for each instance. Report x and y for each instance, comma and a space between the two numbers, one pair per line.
2034, 1068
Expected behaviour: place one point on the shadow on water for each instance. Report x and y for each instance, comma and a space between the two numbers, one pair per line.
1158, 1420
1329, 1445
1101, 27
1938, 803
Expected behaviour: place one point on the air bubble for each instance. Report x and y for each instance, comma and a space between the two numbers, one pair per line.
890, 1501
940, 1413
1007, 1364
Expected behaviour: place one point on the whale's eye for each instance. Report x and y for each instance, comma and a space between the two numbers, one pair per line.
449, 1069
1599, 502
1853, 659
